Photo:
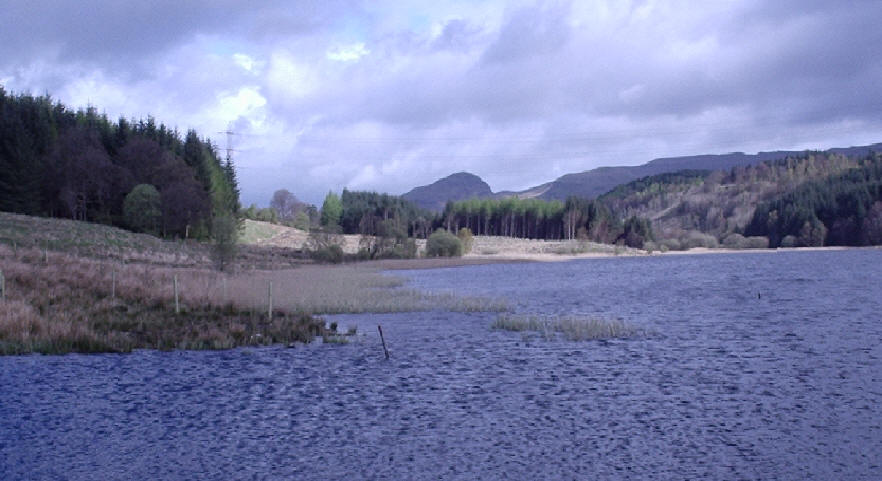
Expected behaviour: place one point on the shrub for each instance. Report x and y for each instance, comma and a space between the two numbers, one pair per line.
142, 209
331, 254
468, 240
670, 244
224, 233
757, 242
301, 221
789, 241
443, 244
735, 241
738, 241
698, 239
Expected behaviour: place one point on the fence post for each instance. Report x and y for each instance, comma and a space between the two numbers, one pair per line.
269, 292
177, 304
383, 340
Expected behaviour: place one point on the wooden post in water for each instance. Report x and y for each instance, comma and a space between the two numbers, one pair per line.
269, 300
383, 340
177, 303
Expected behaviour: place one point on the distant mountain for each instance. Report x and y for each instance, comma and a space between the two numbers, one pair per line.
596, 182
458, 186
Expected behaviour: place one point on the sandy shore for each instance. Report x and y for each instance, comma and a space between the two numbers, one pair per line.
493, 250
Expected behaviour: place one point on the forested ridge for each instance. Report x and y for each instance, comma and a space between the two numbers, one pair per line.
799, 196
843, 209
58, 162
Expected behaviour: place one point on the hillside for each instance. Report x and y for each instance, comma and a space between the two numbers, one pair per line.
706, 206
593, 183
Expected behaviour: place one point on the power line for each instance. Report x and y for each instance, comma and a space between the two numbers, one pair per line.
229, 133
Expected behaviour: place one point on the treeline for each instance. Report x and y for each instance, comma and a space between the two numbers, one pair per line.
79, 164
374, 214
843, 209
701, 208
576, 218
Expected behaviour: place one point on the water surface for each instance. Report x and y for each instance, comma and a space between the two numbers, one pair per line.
759, 366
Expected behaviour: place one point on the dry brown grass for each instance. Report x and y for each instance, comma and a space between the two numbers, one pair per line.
58, 303
345, 289
75, 286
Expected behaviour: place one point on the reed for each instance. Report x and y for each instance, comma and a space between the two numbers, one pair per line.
573, 328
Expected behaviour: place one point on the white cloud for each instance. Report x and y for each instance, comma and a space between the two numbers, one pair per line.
248, 63
290, 78
347, 53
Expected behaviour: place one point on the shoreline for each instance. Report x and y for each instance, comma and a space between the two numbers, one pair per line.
523, 257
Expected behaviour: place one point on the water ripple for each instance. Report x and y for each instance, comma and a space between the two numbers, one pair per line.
782, 385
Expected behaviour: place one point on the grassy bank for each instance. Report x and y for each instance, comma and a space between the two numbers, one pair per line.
79, 287
57, 303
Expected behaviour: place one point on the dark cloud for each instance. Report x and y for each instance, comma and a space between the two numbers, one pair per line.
530, 31
123, 37
513, 91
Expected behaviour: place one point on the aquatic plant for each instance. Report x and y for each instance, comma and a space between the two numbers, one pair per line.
573, 328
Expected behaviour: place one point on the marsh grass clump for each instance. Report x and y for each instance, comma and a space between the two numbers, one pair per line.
573, 328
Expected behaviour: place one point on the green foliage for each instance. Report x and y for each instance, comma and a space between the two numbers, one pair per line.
465, 236
266, 214
837, 210
370, 214
332, 254
443, 244
637, 232
389, 242
654, 184
324, 245
141, 209
78, 164
301, 221
533, 218
697, 239
789, 241
332, 209
225, 232
719, 203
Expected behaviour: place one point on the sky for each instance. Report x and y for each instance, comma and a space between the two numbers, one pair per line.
386, 95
